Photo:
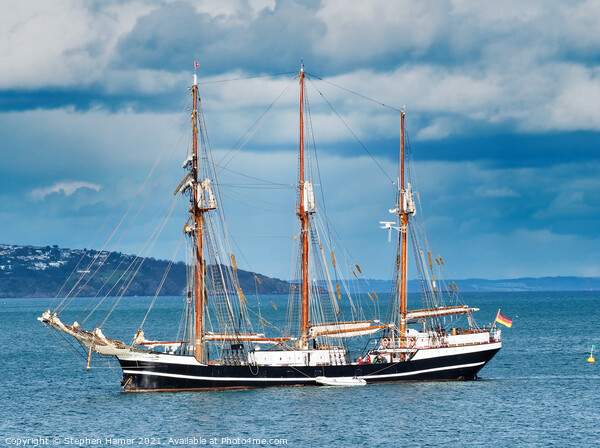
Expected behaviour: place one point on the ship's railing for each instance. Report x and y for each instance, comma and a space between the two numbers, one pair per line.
495, 334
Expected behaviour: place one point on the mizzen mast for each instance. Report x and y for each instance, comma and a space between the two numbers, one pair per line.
405, 206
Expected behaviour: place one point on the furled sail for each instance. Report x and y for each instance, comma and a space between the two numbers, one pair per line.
346, 329
442, 311
250, 337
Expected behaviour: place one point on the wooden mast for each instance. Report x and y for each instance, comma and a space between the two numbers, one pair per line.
197, 213
403, 212
303, 215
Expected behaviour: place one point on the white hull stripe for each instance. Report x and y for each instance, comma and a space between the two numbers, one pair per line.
213, 378
264, 379
418, 372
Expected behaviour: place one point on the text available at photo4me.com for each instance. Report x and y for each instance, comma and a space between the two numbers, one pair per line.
112, 441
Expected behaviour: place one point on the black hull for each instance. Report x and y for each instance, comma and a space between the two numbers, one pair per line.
145, 376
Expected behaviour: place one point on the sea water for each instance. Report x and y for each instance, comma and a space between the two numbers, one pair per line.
539, 390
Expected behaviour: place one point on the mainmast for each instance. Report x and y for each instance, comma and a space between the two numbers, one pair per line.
303, 214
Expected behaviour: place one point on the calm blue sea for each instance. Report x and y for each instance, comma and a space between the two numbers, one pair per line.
538, 391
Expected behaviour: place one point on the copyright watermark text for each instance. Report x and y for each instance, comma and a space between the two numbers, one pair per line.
85, 441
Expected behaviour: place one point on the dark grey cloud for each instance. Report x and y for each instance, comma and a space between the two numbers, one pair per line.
175, 35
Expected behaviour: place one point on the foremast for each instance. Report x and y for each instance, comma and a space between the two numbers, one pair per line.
198, 207
211, 283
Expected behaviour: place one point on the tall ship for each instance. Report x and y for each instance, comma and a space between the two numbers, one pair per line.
328, 337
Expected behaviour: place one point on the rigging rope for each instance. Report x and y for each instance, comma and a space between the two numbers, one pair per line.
217, 81
133, 202
252, 206
275, 184
251, 130
353, 134
355, 93
162, 282
85, 252
153, 237
226, 310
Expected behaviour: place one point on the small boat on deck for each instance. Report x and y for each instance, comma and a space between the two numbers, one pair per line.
340, 381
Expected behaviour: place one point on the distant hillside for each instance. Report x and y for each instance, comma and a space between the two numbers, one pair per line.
508, 285
531, 284
29, 271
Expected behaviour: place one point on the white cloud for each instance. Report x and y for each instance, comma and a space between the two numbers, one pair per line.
62, 45
576, 104
232, 8
520, 63
66, 188
437, 129
503, 192
529, 66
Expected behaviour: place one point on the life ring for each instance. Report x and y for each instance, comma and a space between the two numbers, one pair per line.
385, 342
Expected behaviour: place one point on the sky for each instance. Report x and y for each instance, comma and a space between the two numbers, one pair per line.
501, 103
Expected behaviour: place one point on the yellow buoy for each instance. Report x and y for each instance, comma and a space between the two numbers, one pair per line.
590, 359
